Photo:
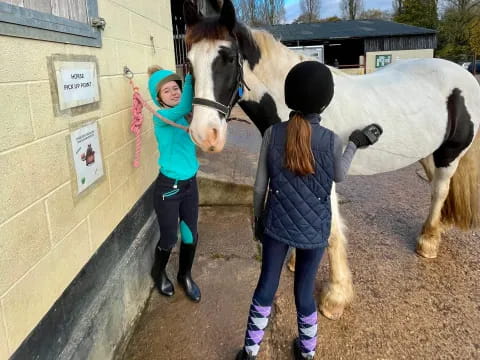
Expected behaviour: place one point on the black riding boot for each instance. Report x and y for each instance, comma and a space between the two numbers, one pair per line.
187, 254
243, 355
159, 274
297, 352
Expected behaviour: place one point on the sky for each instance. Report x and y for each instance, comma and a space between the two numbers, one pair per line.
331, 7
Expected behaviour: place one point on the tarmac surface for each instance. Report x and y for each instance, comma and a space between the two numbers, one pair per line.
406, 307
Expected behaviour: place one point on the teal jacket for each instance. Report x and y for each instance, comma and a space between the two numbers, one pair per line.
178, 158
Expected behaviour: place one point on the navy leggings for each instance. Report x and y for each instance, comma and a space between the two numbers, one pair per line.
306, 266
174, 201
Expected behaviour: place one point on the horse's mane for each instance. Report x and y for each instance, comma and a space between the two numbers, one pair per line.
271, 46
207, 29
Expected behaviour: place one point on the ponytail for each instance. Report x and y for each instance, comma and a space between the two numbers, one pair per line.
298, 151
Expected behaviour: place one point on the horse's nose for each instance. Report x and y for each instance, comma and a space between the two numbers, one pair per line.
212, 139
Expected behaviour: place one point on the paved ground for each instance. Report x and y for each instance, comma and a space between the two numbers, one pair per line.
406, 307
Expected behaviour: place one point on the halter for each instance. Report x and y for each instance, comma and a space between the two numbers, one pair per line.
237, 92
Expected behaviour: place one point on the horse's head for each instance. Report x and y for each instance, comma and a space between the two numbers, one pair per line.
216, 63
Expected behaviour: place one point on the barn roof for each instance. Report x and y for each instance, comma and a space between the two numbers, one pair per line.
345, 29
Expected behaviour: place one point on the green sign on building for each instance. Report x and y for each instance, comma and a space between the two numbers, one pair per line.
382, 60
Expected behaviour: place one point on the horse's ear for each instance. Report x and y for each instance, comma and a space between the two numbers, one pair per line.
215, 5
191, 13
227, 15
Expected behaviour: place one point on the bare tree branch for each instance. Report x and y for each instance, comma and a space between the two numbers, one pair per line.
351, 9
310, 10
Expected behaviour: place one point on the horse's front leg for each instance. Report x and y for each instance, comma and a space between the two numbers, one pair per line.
338, 292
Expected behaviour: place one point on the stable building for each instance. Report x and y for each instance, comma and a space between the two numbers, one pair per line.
77, 227
358, 46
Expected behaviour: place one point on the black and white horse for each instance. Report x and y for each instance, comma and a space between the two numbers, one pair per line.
429, 110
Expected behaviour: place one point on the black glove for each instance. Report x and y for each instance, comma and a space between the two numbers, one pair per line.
366, 137
258, 228
359, 139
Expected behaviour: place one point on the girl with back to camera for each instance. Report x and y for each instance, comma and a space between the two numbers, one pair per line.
299, 161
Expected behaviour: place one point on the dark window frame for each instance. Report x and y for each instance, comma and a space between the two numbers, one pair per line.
21, 22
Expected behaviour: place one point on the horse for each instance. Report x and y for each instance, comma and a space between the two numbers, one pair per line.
429, 110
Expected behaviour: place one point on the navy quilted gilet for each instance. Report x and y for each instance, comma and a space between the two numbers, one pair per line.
298, 210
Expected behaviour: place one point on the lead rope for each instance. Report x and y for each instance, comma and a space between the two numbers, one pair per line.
137, 116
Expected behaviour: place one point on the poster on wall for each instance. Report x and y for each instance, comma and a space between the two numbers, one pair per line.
382, 60
87, 155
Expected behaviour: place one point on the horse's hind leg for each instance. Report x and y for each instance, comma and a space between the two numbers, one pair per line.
455, 178
429, 239
429, 167
338, 292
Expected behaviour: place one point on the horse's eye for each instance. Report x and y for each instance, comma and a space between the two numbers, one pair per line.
227, 57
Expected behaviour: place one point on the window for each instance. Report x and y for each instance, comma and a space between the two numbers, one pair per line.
72, 22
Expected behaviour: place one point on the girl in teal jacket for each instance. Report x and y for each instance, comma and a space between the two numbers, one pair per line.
176, 191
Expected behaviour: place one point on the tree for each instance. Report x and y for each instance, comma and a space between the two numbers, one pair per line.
397, 7
331, 19
272, 11
474, 40
421, 13
375, 14
310, 11
455, 29
462, 5
247, 11
260, 12
351, 9
306, 19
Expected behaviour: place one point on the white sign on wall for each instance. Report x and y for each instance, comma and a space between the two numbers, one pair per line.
87, 155
76, 83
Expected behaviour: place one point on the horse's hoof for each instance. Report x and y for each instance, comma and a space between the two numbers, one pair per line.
426, 253
291, 263
332, 312
427, 246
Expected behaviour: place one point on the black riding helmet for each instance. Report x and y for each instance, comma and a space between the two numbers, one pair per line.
309, 87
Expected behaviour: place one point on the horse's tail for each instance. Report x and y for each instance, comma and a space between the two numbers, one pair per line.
461, 208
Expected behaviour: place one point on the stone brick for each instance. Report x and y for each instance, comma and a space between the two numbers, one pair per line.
113, 130
140, 178
149, 147
65, 212
142, 28
165, 12
4, 353
103, 219
30, 299
108, 61
25, 59
131, 188
120, 165
44, 121
25, 239
164, 58
132, 54
152, 10
116, 95
15, 114
118, 26
30, 172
